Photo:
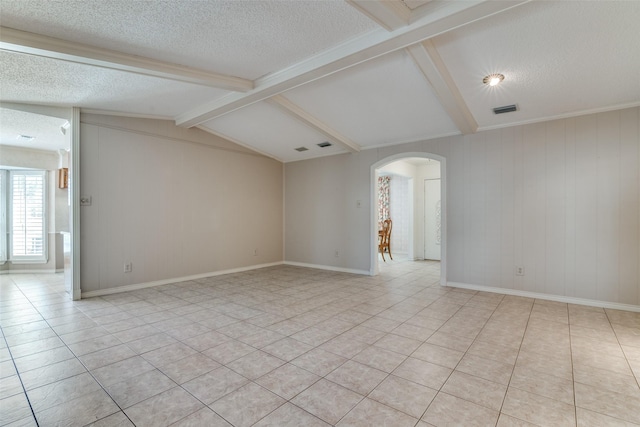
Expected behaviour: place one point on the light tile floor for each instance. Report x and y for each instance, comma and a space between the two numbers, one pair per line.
288, 346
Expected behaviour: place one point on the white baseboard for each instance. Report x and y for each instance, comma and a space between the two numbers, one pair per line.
136, 286
59, 270
328, 267
548, 297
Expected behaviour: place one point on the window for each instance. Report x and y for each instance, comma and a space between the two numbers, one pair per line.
26, 216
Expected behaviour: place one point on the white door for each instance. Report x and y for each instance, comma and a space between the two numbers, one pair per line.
432, 228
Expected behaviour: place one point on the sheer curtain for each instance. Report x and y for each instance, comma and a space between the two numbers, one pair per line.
383, 199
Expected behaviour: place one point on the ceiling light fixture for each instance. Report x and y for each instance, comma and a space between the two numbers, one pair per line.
493, 79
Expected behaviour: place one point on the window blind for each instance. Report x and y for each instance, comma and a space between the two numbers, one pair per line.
3, 216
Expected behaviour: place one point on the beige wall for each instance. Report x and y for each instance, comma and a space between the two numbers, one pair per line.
174, 202
560, 198
322, 214
28, 158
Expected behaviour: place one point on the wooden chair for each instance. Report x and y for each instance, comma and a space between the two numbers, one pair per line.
384, 238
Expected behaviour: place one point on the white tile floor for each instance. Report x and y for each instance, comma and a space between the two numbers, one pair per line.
288, 346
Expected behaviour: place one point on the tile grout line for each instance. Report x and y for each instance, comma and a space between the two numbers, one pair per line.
13, 361
303, 292
407, 356
452, 370
76, 358
626, 358
516, 360
467, 352
388, 374
24, 391
351, 359
573, 376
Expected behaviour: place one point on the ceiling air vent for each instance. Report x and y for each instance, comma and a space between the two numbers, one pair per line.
301, 149
505, 109
25, 138
324, 144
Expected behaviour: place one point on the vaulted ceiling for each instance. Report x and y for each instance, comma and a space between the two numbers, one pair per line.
279, 75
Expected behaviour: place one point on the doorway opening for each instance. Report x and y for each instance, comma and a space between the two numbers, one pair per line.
38, 191
410, 189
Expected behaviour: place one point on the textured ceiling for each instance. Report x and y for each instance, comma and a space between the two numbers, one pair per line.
370, 105
360, 74
38, 80
45, 130
557, 58
240, 38
271, 131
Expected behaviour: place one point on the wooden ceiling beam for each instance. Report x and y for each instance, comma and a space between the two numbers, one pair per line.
447, 16
390, 14
34, 44
299, 114
433, 68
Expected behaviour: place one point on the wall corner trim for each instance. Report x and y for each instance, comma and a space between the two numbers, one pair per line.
548, 297
136, 286
328, 267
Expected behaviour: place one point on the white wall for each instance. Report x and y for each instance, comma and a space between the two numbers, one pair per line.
62, 207
175, 202
399, 167
560, 198
400, 207
429, 170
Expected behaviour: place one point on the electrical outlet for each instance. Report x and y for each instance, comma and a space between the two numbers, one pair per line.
519, 271
358, 204
337, 254
128, 267
85, 201
255, 252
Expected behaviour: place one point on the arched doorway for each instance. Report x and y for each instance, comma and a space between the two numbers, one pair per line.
375, 168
